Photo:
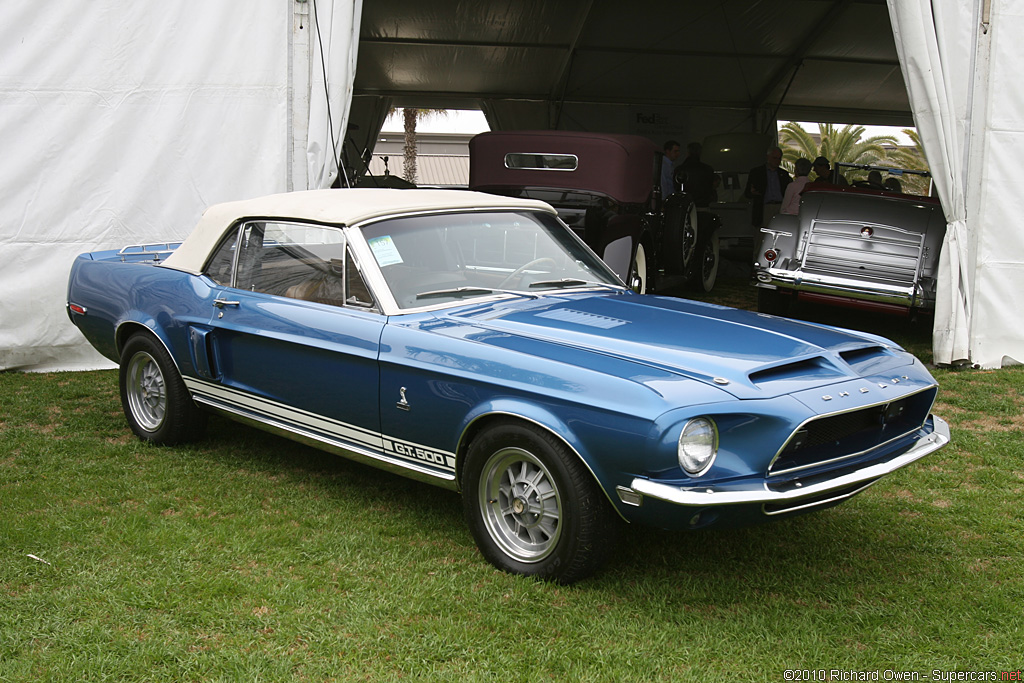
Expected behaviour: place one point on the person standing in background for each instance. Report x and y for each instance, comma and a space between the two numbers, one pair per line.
791, 199
671, 149
766, 186
699, 178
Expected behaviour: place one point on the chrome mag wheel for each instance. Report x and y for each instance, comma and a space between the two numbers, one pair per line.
520, 505
146, 391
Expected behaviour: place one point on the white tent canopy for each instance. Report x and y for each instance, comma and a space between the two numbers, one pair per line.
121, 122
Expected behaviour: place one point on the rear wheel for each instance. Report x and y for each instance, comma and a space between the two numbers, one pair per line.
689, 234
154, 397
533, 507
704, 272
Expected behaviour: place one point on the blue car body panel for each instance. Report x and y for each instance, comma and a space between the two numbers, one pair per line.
614, 375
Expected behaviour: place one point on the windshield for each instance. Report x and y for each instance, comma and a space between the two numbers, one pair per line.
433, 259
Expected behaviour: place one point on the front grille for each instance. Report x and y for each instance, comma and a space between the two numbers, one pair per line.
844, 435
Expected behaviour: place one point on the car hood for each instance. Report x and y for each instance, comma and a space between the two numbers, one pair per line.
749, 355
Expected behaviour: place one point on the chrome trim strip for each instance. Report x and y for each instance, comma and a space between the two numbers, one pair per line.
257, 405
423, 474
512, 167
319, 428
704, 496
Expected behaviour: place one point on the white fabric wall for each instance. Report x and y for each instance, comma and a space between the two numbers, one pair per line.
961, 60
334, 57
995, 197
120, 122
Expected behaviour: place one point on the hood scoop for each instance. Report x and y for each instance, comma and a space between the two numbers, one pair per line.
801, 371
864, 359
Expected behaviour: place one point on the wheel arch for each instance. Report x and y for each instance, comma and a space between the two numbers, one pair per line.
539, 419
129, 328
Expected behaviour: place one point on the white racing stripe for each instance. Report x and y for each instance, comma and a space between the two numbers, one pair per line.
306, 422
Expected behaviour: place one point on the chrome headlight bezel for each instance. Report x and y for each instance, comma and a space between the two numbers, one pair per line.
697, 446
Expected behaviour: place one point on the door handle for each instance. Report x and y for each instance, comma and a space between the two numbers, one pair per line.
221, 303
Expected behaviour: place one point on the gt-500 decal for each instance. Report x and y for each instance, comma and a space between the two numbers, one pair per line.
275, 413
421, 454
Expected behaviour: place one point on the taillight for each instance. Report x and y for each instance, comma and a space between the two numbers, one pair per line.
771, 255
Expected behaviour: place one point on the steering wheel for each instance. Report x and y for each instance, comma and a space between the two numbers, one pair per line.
518, 272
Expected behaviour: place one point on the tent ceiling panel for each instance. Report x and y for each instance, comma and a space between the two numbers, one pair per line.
738, 54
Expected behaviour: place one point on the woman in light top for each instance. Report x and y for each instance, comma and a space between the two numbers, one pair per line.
791, 200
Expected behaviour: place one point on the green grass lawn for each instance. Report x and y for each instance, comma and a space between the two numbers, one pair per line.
249, 558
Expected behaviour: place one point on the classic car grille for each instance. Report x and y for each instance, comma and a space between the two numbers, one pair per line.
891, 255
844, 435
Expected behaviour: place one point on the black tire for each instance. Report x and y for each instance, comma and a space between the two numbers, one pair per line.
533, 507
774, 302
704, 269
678, 240
156, 402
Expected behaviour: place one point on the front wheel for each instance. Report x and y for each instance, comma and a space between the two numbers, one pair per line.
533, 507
154, 397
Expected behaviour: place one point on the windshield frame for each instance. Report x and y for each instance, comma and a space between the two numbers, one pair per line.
605, 279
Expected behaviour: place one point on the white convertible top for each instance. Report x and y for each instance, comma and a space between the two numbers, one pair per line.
337, 207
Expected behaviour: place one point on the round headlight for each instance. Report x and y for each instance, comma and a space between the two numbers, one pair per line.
698, 444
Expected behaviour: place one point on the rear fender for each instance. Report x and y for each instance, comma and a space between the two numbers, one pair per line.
782, 234
177, 341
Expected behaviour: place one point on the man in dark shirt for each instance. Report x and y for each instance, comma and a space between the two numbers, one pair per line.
766, 186
698, 177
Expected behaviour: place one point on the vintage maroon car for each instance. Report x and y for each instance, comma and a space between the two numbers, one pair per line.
864, 245
605, 187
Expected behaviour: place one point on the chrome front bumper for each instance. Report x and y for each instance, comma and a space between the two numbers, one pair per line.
790, 495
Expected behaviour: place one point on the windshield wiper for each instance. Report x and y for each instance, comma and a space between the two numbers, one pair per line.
471, 291
574, 282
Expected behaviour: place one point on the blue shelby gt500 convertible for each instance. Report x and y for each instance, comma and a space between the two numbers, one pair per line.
474, 342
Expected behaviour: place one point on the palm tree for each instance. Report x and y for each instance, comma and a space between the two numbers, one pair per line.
846, 145
911, 158
410, 118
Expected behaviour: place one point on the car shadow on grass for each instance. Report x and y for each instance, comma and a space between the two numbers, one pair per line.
825, 551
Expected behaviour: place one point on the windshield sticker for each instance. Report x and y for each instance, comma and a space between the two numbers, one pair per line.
385, 251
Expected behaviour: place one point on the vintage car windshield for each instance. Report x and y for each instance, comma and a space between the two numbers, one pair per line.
439, 258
